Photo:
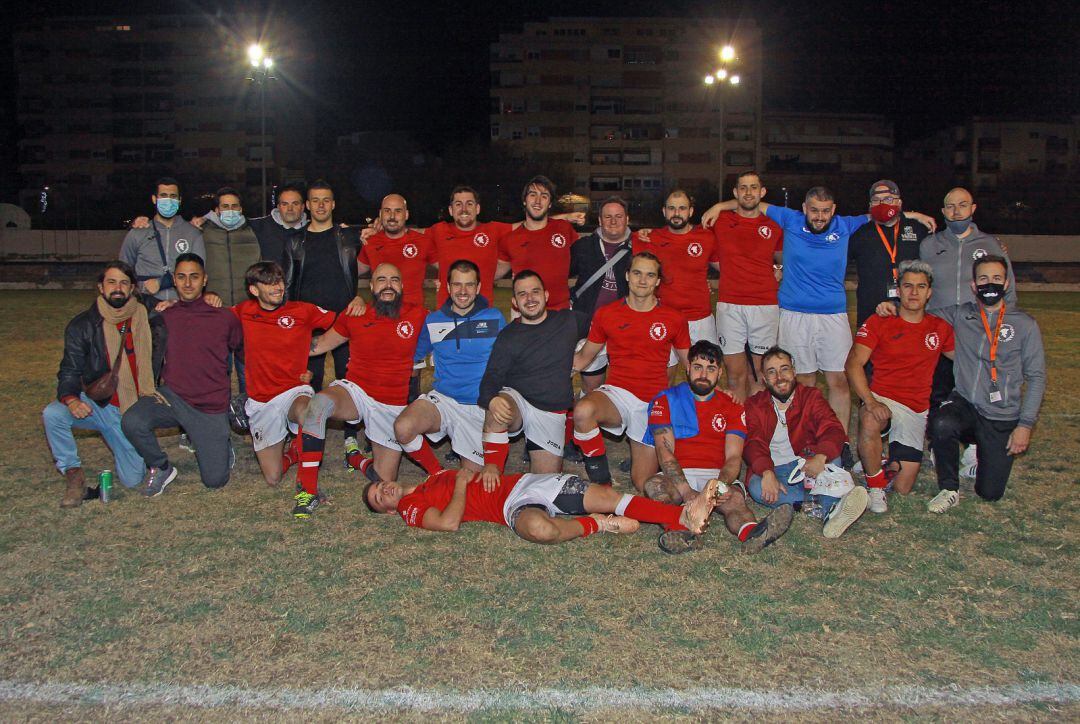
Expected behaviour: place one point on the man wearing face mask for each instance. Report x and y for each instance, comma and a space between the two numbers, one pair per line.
231, 246
1000, 380
152, 250
117, 326
878, 248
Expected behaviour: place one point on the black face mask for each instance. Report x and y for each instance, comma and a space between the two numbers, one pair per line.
990, 293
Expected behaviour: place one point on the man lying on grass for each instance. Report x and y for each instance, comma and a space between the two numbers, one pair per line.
529, 503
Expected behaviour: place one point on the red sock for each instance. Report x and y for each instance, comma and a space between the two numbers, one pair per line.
589, 524
746, 530
591, 443
291, 456
425, 457
652, 511
568, 437
496, 449
877, 480
311, 454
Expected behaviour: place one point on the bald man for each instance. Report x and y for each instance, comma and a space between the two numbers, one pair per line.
375, 389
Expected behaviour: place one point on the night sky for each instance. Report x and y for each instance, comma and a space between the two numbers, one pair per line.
423, 66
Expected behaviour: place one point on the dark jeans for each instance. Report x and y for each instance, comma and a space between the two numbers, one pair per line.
956, 423
317, 365
209, 434
943, 383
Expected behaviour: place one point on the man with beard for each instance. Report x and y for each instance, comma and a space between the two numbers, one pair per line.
698, 434
903, 351
277, 342
640, 333
813, 302
459, 335
686, 253
750, 248
1000, 382
376, 385
409, 250
320, 268
194, 389
151, 249
530, 505
540, 243
792, 434
526, 386
116, 334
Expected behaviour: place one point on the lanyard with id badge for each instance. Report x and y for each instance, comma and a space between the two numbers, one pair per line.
994, 338
894, 284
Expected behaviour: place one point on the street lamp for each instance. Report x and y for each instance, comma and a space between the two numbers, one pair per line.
720, 79
261, 65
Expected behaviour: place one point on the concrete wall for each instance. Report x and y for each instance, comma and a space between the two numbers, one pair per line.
18, 245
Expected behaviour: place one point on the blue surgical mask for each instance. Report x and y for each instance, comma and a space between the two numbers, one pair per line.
958, 226
167, 207
231, 219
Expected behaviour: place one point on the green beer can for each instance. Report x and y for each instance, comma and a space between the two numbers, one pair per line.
105, 485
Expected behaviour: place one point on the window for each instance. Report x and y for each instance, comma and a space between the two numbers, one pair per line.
614, 53
516, 134
533, 131
557, 131
494, 130
605, 183
695, 157
739, 158
610, 157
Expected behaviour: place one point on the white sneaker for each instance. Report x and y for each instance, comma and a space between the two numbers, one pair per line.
877, 501
845, 512
943, 501
969, 462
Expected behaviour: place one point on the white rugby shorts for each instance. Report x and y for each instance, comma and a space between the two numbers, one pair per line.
378, 417
739, 324
269, 421
816, 341
463, 423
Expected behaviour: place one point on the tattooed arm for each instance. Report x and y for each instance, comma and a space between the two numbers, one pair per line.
664, 437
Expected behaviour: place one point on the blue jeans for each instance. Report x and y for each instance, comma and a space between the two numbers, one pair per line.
106, 420
789, 494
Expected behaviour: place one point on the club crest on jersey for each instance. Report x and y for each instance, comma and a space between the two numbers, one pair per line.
978, 254
286, 322
405, 330
1007, 333
183, 246
764, 232
558, 241
933, 341
694, 249
481, 240
409, 251
833, 238
718, 423
658, 331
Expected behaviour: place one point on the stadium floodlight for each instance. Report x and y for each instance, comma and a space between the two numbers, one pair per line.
721, 74
727, 54
709, 80
735, 80
255, 54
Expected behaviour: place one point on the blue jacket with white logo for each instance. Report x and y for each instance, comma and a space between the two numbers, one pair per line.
461, 346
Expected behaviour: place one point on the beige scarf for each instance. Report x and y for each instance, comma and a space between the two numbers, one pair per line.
140, 332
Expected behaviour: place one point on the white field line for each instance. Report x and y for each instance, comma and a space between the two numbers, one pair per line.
593, 698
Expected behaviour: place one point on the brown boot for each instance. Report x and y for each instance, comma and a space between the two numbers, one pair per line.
76, 488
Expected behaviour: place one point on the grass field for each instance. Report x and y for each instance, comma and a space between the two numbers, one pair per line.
219, 605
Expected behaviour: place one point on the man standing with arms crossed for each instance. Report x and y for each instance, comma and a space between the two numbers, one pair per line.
904, 351
277, 342
686, 254
750, 249
640, 334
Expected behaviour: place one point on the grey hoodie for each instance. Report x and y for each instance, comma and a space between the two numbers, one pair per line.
951, 258
1020, 360
140, 249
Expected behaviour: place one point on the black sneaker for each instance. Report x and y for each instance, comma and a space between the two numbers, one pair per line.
624, 466
157, 479
452, 459
768, 529
679, 541
306, 503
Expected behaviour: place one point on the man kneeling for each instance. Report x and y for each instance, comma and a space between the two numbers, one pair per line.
529, 503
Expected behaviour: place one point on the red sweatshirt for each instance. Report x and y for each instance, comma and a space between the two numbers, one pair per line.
812, 426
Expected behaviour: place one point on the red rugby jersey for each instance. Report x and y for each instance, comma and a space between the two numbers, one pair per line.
638, 345
277, 343
479, 245
547, 252
438, 489
745, 248
718, 417
684, 260
381, 351
904, 356
412, 253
